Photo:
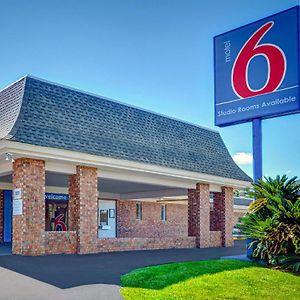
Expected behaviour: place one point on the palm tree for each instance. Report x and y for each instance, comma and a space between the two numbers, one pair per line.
273, 222
267, 191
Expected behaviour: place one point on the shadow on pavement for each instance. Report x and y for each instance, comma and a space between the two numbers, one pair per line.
66, 271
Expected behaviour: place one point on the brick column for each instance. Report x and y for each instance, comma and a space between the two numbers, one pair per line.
216, 213
83, 207
73, 210
199, 215
224, 213
29, 228
1, 216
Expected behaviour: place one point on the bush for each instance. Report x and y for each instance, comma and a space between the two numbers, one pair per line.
273, 222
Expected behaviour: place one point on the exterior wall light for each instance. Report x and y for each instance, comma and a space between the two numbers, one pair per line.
9, 157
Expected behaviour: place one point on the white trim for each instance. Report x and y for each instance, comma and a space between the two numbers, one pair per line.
153, 194
215, 188
179, 178
241, 208
62, 190
60, 168
112, 196
160, 180
5, 168
166, 194
108, 196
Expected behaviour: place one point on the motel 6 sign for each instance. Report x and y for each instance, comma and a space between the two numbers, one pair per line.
257, 70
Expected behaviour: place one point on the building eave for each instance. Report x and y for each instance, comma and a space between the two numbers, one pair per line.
65, 161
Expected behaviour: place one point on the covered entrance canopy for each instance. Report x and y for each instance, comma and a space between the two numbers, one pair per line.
60, 140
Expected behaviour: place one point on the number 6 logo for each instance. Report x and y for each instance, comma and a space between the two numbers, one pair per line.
276, 65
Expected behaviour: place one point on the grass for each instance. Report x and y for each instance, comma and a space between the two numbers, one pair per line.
214, 279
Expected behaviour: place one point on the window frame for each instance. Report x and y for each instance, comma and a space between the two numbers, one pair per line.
139, 211
163, 212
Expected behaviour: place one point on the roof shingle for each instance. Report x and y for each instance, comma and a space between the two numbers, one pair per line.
56, 116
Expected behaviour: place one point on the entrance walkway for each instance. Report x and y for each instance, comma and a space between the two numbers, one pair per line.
68, 271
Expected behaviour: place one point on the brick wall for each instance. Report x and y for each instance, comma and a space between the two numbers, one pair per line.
84, 183
29, 228
223, 207
215, 238
30, 238
1, 216
216, 214
215, 219
73, 208
151, 224
57, 242
126, 244
238, 215
199, 215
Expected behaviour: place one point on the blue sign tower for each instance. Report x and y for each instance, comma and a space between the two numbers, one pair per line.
257, 74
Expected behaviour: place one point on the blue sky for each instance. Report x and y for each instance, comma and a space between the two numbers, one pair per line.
155, 54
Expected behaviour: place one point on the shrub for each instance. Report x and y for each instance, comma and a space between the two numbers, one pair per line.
273, 222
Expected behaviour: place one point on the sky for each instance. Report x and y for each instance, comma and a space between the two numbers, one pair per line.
155, 54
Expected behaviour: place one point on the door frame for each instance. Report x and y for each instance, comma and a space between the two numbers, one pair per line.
115, 217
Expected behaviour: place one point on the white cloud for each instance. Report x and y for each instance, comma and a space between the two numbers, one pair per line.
243, 158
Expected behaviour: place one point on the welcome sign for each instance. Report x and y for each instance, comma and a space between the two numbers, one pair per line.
257, 70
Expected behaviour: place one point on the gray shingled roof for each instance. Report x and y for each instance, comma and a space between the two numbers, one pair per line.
52, 115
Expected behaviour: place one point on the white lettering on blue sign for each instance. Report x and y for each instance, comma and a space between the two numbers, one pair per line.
56, 197
257, 70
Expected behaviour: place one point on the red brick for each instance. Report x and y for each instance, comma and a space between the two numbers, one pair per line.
199, 215
223, 208
84, 208
29, 228
126, 244
151, 224
58, 242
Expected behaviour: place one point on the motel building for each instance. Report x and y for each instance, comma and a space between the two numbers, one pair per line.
80, 173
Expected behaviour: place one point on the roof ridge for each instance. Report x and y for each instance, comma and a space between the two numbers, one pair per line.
117, 101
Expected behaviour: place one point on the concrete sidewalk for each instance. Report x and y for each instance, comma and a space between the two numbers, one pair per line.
19, 287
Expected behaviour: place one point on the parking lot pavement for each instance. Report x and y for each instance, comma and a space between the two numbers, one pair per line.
92, 276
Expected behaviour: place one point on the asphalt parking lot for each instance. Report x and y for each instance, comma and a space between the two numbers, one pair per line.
67, 271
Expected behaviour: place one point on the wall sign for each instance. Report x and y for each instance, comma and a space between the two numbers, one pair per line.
17, 194
59, 224
17, 207
56, 197
257, 70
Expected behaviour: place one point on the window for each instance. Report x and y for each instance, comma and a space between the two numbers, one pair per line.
56, 216
163, 212
139, 211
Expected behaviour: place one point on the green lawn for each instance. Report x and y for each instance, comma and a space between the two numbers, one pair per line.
214, 279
